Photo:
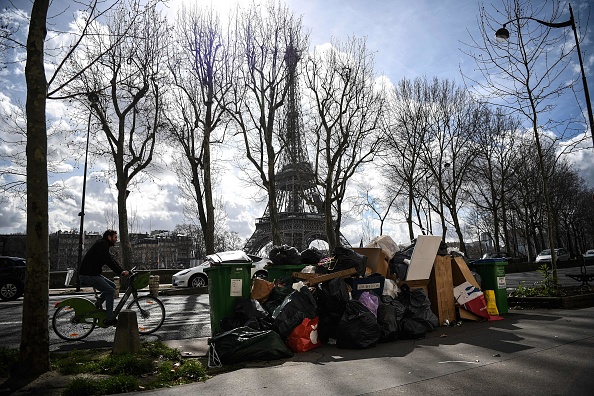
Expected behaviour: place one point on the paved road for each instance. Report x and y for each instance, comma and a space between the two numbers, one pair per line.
529, 279
187, 317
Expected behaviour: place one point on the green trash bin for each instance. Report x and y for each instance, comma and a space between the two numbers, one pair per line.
492, 272
227, 282
279, 271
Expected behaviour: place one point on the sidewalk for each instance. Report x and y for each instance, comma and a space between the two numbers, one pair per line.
529, 352
537, 351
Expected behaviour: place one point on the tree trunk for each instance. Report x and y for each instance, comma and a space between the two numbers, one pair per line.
124, 236
34, 350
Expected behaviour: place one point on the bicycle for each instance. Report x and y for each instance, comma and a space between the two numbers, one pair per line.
75, 318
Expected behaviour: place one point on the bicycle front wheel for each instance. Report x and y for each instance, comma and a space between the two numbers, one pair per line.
67, 327
150, 313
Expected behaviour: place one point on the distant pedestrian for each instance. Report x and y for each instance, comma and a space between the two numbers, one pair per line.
91, 268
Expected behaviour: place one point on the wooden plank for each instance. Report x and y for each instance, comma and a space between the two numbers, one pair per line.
304, 275
326, 277
441, 288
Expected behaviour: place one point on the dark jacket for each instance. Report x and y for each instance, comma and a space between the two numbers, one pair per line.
98, 256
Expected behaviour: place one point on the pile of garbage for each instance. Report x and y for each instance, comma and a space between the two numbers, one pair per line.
340, 299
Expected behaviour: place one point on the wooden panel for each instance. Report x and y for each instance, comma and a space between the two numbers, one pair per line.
441, 288
326, 277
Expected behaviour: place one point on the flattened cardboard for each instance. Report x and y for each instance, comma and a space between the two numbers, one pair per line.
461, 273
464, 314
421, 261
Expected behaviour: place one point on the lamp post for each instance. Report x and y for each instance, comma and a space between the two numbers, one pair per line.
503, 35
93, 98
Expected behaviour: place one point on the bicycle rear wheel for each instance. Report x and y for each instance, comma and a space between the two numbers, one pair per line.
150, 313
67, 327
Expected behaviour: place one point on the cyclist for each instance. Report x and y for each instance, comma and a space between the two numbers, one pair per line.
92, 266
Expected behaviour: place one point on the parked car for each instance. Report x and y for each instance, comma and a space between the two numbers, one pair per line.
196, 277
12, 277
545, 255
589, 256
502, 255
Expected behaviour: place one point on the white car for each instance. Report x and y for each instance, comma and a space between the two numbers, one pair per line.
589, 256
196, 277
545, 255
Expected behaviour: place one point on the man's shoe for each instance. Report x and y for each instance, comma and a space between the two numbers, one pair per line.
111, 322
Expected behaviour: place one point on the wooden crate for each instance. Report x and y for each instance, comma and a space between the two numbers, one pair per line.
441, 288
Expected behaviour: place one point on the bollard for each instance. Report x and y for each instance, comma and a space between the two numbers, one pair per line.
127, 338
154, 285
116, 293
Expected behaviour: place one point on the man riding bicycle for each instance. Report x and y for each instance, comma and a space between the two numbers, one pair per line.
91, 268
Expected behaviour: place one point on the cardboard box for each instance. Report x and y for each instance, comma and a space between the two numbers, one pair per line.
416, 284
377, 260
373, 283
465, 292
461, 273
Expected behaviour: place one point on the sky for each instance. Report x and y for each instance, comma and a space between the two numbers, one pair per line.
421, 38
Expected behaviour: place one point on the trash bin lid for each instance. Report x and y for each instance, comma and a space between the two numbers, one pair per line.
232, 256
501, 261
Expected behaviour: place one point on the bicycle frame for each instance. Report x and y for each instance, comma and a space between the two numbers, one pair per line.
85, 311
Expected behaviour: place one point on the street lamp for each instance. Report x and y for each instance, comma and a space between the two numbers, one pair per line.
503, 35
93, 98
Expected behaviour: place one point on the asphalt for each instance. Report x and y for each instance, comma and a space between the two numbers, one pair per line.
538, 351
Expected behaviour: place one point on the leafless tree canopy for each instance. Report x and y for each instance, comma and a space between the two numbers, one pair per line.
347, 112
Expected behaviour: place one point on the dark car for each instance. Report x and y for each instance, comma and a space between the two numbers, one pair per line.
12, 277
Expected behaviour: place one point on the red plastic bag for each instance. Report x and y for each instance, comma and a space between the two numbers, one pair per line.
305, 336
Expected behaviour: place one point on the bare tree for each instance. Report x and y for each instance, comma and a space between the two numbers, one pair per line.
202, 66
270, 36
527, 72
34, 350
378, 204
498, 149
348, 110
124, 92
409, 117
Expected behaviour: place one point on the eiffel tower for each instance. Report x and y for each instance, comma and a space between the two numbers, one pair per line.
300, 216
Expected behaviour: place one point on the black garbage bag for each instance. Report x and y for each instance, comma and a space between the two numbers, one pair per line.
443, 249
411, 329
332, 297
347, 258
398, 266
389, 315
245, 344
358, 327
311, 256
297, 306
247, 312
284, 255
282, 288
417, 306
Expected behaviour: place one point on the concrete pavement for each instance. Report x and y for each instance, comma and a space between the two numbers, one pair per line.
529, 352
541, 351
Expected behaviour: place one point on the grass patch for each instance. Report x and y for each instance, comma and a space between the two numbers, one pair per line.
8, 360
102, 373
